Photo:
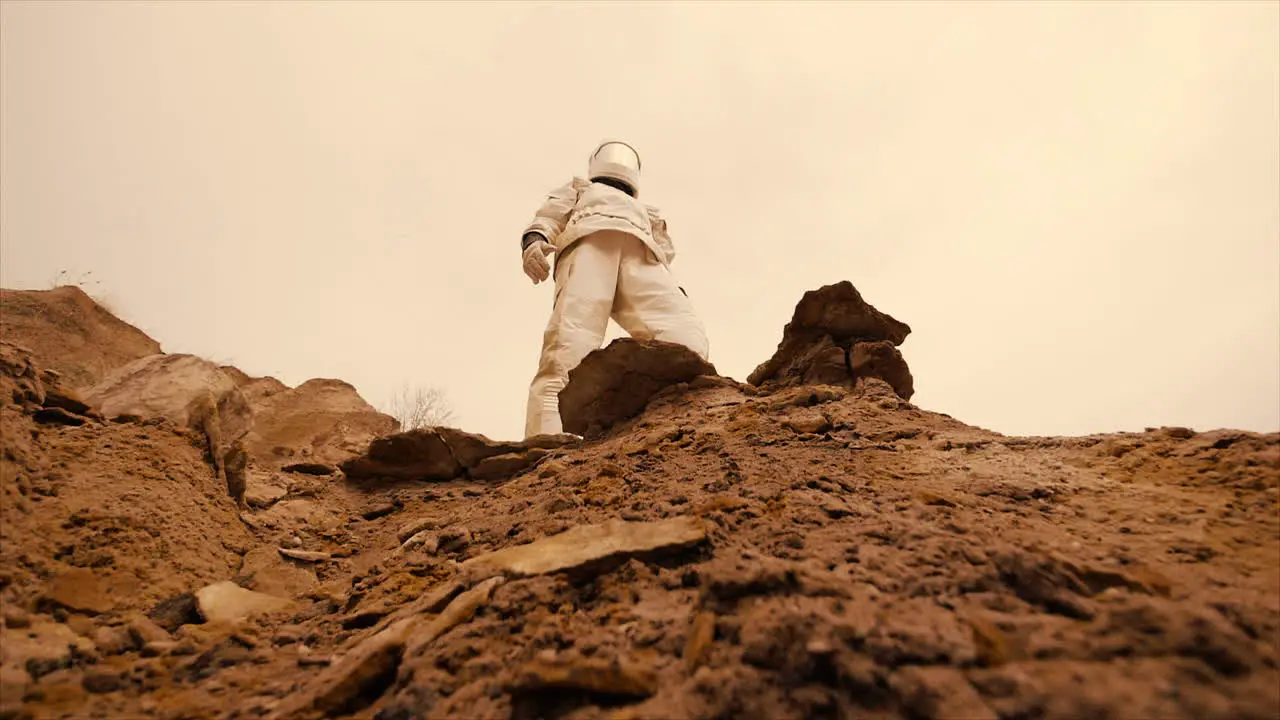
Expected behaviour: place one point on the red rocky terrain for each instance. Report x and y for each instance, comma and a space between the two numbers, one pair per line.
180, 540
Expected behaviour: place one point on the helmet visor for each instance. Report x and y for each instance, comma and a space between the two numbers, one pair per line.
618, 153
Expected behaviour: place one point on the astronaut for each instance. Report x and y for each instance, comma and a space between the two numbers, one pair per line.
612, 260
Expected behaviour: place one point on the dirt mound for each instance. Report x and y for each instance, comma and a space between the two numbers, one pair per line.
71, 334
786, 551
320, 421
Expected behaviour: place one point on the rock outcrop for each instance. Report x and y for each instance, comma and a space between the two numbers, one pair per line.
72, 334
836, 338
615, 383
189, 392
25, 384
440, 454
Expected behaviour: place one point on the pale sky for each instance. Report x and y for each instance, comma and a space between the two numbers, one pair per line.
1075, 205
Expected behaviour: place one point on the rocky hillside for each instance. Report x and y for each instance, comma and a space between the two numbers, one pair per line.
804, 544
71, 334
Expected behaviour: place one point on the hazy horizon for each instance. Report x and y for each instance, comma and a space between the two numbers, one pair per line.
1075, 206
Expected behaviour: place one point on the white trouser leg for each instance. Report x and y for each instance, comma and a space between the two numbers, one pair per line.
586, 279
650, 304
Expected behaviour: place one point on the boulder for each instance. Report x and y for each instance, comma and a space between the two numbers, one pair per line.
183, 389
836, 338
882, 360
615, 383
420, 454
438, 454
819, 363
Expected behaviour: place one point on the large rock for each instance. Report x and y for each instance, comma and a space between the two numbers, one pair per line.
882, 360
228, 603
437, 454
70, 333
183, 389
189, 392
615, 383
419, 454
835, 338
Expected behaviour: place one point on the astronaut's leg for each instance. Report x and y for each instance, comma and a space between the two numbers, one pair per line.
586, 279
650, 304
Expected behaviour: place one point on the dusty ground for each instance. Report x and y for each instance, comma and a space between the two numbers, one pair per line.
856, 556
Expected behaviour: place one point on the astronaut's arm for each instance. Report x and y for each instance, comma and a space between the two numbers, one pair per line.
550, 219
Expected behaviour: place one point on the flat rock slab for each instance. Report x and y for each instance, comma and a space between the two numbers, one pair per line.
262, 491
507, 465
310, 556
339, 687
265, 571
609, 678
439, 454
310, 468
615, 383
227, 602
588, 544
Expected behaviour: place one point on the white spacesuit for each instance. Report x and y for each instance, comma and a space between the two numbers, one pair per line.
612, 258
